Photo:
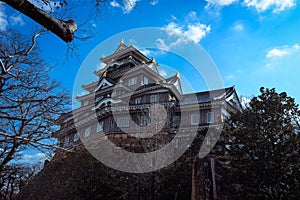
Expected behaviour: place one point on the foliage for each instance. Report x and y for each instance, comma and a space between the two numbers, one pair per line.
80, 176
264, 148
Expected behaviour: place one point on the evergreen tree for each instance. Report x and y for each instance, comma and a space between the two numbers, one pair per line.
263, 148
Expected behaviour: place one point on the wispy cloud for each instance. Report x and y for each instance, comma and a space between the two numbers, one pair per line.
276, 5
260, 5
3, 19
160, 43
220, 3
146, 52
238, 27
282, 51
230, 77
17, 20
33, 158
287, 55
163, 73
153, 2
129, 5
115, 4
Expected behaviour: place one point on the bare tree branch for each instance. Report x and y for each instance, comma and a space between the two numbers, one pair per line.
63, 29
33, 141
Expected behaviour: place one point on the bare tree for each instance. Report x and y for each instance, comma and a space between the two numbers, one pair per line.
14, 177
44, 12
30, 101
63, 29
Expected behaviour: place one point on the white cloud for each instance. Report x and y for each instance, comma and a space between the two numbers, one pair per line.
115, 4
186, 33
238, 27
193, 15
50, 7
153, 2
276, 5
163, 73
182, 33
277, 53
220, 3
17, 20
3, 20
230, 77
33, 158
129, 5
282, 51
160, 43
173, 17
283, 54
146, 52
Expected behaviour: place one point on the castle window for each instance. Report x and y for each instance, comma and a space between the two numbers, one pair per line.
146, 80
210, 117
123, 122
87, 132
100, 126
132, 81
137, 100
194, 119
144, 120
208, 141
76, 137
153, 98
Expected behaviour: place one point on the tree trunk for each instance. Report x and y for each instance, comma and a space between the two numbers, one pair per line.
63, 29
197, 179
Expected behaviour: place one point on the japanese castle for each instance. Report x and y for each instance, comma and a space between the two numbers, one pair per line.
131, 83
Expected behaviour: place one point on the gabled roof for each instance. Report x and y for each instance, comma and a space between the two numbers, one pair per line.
210, 96
104, 82
175, 80
121, 46
123, 50
155, 86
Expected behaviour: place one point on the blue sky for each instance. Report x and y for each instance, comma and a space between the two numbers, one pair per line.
253, 43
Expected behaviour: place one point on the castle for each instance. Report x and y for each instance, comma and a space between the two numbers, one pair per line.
135, 92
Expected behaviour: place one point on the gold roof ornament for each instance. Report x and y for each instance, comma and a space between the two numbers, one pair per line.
122, 41
153, 60
120, 80
164, 81
104, 74
177, 73
143, 62
157, 82
130, 56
